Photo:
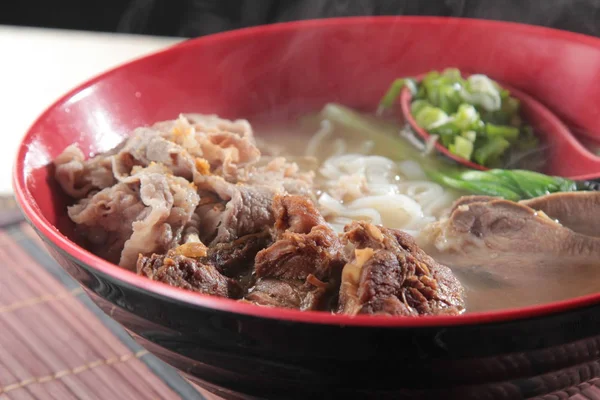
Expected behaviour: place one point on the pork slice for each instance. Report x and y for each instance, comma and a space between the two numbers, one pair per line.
578, 211
78, 176
145, 213
192, 146
387, 273
301, 268
187, 273
212, 123
281, 173
226, 145
148, 145
248, 210
105, 219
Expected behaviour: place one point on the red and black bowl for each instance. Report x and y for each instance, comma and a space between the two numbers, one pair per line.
282, 71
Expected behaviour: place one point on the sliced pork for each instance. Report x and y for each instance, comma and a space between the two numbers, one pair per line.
142, 215
79, 177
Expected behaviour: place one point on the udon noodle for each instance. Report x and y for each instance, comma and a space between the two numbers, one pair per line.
360, 186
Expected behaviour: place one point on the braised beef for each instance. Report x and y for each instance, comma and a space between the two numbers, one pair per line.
187, 273
237, 258
301, 269
310, 294
387, 273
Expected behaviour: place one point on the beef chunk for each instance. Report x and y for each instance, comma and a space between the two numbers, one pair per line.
187, 273
387, 273
311, 294
237, 257
302, 267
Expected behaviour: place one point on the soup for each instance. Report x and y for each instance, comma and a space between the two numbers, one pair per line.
337, 212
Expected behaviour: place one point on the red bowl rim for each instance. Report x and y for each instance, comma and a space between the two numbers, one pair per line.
57, 239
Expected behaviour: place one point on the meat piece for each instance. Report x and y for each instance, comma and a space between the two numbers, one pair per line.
248, 210
297, 255
285, 176
498, 230
148, 145
237, 257
304, 295
296, 214
389, 274
79, 177
105, 219
237, 209
513, 245
226, 145
187, 273
302, 267
305, 244
145, 213
578, 211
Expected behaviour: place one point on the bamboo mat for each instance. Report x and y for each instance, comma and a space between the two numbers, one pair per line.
56, 344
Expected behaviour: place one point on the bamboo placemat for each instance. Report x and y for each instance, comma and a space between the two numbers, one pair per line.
56, 344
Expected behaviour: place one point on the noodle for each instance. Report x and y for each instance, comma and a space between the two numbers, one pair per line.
358, 186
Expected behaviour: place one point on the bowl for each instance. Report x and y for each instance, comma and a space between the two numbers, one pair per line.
282, 71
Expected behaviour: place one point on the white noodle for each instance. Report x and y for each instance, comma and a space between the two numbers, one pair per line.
359, 186
379, 190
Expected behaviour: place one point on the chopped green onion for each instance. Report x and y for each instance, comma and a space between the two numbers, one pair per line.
491, 151
461, 147
509, 133
466, 117
430, 117
481, 91
469, 135
445, 104
418, 105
